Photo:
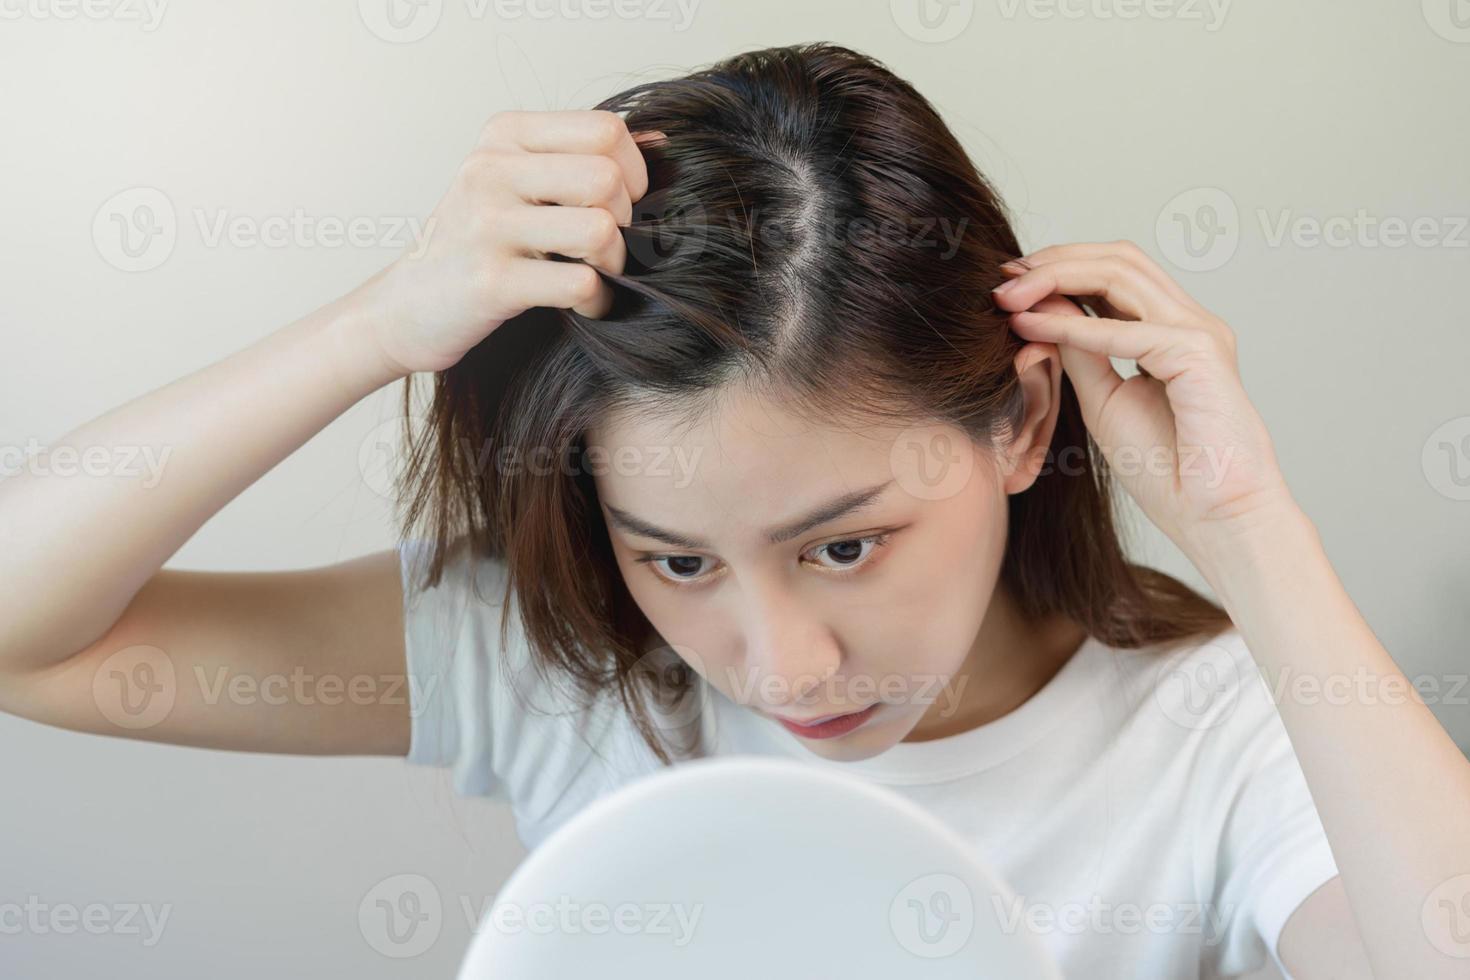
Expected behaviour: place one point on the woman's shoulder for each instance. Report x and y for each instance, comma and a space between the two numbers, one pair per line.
511, 727
463, 569
1195, 684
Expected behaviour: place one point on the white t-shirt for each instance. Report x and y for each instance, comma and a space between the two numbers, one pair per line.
1145, 806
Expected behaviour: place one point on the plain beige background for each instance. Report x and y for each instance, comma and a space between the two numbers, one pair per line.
1216, 136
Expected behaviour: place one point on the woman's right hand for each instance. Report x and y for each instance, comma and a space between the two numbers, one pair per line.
536, 183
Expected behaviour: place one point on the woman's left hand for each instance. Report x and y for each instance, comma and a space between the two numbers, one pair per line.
1182, 437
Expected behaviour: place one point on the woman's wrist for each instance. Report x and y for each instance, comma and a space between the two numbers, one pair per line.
352, 328
1255, 555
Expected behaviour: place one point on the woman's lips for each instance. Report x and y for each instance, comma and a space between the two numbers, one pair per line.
809, 722
829, 726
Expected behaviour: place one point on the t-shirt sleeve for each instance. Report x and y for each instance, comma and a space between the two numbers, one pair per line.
451, 638
506, 727
1268, 846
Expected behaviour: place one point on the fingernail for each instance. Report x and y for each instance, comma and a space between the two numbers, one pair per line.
1013, 266
1005, 285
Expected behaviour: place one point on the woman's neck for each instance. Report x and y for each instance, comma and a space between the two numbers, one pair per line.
1011, 659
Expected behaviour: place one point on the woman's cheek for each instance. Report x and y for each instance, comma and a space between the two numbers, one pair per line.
656, 603
932, 614
915, 633
681, 624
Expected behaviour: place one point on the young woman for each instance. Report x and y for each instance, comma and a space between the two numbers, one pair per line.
745, 374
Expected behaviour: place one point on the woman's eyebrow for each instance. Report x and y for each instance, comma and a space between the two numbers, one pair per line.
829, 511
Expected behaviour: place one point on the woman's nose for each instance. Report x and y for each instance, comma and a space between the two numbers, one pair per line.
790, 650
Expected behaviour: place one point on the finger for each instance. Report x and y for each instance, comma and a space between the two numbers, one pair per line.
564, 285
579, 233
1098, 305
1128, 252
1061, 304
1058, 304
599, 304
1164, 350
572, 179
1093, 375
594, 131
1081, 305
1124, 287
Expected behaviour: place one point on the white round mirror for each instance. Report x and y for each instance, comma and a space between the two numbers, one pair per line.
743, 866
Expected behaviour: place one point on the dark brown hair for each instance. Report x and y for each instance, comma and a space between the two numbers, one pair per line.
789, 240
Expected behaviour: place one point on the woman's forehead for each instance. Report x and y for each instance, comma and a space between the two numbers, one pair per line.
734, 416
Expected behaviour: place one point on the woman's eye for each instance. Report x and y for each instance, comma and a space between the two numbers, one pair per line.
850, 552
678, 567
843, 556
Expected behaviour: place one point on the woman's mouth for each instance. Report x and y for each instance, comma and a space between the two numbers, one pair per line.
829, 726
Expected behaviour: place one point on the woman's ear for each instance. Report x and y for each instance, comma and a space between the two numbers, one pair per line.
1039, 368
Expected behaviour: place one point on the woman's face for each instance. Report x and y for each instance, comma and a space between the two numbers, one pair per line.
808, 571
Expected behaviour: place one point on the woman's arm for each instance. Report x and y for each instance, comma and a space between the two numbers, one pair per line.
306, 662
94, 637
75, 550
1391, 788
81, 555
